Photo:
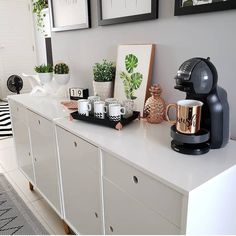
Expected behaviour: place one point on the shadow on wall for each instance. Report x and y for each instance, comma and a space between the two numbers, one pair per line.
164, 72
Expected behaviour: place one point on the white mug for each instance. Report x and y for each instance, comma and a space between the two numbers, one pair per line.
92, 100
110, 101
115, 112
84, 107
128, 104
100, 109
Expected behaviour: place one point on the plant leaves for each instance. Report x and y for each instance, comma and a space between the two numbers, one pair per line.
127, 84
44, 68
188, 3
104, 71
131, 62
136, 80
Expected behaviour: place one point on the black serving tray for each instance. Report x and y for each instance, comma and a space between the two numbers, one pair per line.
118, 125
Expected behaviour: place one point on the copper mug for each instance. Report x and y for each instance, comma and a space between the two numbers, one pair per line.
188, 116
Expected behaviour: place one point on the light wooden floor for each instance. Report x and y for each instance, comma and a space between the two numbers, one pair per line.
33, 200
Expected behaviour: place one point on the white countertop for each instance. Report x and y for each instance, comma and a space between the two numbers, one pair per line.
147, 147
46, 106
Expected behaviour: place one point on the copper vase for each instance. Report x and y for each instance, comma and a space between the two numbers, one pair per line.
154, 109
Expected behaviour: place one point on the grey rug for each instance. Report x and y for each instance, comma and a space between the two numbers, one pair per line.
15, 217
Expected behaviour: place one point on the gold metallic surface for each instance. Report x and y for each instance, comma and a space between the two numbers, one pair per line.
154, 109
188, 118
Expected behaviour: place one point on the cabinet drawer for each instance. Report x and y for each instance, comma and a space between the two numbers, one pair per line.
125, 215
155, 195
18, 111
81, 150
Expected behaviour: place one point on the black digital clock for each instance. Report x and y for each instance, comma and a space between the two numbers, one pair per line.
78, 93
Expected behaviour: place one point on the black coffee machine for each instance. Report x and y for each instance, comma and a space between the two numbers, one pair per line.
198, 78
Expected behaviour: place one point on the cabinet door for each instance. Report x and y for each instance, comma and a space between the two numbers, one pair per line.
43, 143
125, 215
80, 171
21, 139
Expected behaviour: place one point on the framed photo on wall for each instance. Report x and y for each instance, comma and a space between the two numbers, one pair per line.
69, 14
123, 11
185, 7
134, 73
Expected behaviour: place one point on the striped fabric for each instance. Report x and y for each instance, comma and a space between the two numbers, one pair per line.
5, 121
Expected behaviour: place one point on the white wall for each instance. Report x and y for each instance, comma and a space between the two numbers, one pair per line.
16, 37
177, 39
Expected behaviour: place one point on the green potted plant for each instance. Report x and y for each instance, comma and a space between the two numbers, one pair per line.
104, 75
38, 7
61, 73
45, 73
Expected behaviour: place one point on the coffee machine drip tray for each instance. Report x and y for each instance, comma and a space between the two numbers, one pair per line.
191, 144
190, 149
201, 136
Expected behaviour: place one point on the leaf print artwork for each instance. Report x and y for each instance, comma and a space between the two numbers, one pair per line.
131, 80
131, 62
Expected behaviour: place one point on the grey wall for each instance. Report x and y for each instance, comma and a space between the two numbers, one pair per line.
176, 39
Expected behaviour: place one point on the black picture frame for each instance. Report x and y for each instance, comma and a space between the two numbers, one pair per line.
55, 28
210, 7
142, 17
48, 44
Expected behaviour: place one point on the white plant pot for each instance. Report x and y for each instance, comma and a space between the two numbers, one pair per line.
62, 79
103, 89
45, 77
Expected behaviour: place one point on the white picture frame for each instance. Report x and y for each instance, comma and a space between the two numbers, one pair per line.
69, 14
140, 57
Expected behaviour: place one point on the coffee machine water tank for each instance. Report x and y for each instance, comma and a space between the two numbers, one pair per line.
198, 78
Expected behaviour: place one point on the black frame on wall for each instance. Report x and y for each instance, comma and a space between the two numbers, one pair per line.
142, 17
215, 6
48, 44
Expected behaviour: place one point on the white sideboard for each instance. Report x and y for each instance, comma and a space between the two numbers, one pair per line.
124, 182
35, 143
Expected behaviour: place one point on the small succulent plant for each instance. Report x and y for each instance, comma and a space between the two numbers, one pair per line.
104, 72
61, 68
44, 68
